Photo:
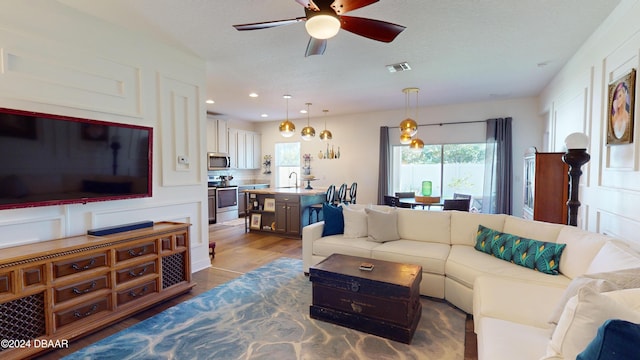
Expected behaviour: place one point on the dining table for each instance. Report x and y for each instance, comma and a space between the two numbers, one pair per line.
414, 203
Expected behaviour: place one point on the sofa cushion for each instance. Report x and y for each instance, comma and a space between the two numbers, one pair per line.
464, 225
465, 264
613, 256
582, 316
601, 282
537, 230
504, 339
431, 256
382, 226
431, 226
355, 222
582, 247
333, 220
337, 244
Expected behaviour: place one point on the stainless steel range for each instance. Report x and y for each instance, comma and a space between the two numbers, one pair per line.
226, 206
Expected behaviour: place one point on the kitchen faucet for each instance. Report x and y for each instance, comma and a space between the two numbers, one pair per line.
293, 172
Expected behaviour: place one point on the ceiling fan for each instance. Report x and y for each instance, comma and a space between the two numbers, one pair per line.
324, 18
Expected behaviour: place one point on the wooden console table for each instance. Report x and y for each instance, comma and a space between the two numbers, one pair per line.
59, 290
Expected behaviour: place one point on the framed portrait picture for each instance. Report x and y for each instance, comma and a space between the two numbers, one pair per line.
620, 111
269, 204
256, 220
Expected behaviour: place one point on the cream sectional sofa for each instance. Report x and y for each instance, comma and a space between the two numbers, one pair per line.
502, 296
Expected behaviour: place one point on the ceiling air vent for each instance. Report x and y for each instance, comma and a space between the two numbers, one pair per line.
403, 66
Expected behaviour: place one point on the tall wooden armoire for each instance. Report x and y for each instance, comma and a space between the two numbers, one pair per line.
546, 187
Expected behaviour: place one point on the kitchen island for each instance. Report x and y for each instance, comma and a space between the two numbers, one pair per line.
284, 211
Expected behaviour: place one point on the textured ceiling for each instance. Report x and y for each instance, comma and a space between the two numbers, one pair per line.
459, 50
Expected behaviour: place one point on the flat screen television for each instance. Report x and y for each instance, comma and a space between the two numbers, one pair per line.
53, 160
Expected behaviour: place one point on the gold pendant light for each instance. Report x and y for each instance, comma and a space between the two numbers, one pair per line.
325, 135
408, 126
287, 128
308, 132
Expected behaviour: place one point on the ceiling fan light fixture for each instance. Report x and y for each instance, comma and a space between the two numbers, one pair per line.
322, 26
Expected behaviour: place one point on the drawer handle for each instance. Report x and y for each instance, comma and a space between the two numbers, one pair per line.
80, 292
144, 270
142, 292
142, 252
90, 312
77, 267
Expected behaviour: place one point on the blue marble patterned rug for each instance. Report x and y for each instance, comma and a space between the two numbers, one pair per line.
264, 314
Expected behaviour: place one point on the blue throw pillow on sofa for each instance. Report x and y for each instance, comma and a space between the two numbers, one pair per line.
333, 220
615, 340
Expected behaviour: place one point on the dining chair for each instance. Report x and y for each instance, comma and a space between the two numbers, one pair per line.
352, 193
457, 204
317, 208
342, 194
390, 200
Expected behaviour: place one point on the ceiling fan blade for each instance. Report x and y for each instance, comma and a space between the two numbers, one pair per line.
268, 24
315, 47
373, 29
309, 4
343, 6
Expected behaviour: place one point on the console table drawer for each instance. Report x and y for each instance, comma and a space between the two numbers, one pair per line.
135, 272
137, 292
6, 283
136, 251
79, 264
33, 276
83, 311
75, 290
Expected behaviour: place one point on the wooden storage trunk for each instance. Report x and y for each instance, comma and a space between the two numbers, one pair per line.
383, 302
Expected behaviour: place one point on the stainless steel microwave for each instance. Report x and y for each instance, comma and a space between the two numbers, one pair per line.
218, 161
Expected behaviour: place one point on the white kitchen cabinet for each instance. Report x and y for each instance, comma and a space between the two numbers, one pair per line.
217, 137
245, 148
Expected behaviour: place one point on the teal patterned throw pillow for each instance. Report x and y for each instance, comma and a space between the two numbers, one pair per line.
483, 239
537, 255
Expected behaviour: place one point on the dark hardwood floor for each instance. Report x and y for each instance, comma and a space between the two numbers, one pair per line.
237, 252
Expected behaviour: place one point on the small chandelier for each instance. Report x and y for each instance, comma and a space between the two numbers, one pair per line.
325, 135
408, 126
287, 128
308, 132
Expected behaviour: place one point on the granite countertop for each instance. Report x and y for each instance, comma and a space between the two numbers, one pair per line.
287, 191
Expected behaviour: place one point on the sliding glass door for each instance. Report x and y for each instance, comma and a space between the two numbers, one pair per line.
451, 169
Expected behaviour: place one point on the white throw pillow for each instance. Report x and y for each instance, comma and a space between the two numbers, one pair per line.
382, 226
580, 320
355, 222
614, 256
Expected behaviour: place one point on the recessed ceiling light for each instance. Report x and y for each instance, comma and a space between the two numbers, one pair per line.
303, 111
264, 115
253, 95
210, 101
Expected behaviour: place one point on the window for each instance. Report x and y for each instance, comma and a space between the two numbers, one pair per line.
287, 160
451, 168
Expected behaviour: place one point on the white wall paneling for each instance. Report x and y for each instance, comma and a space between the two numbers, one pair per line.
25, 231
66, 76
180, 132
